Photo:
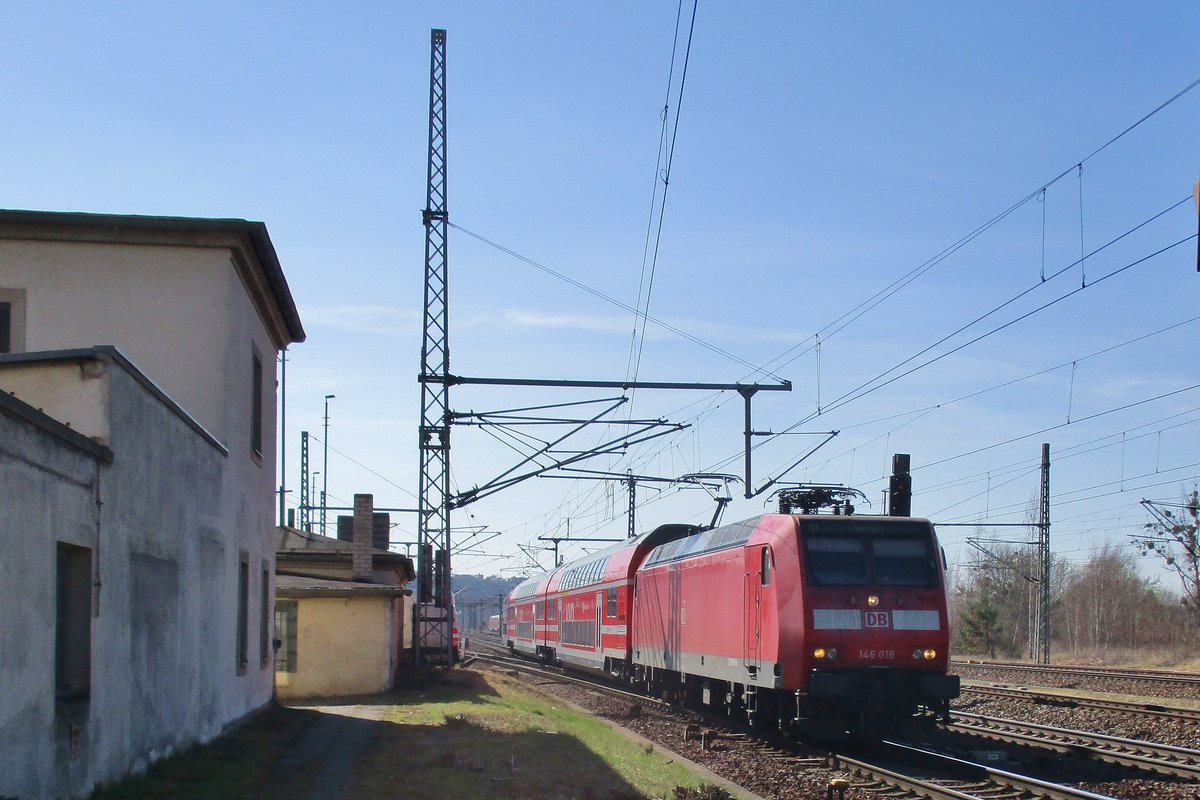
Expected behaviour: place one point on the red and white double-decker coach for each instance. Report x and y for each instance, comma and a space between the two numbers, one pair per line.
579, 614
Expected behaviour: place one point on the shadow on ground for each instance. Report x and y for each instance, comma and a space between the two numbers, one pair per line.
346, 748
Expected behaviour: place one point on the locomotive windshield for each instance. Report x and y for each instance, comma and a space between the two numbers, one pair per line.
869, 555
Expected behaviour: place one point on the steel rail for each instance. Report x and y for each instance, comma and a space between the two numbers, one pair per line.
916, 786
1154, 676
1160, 758
561, 677
1025, 785
1047, 697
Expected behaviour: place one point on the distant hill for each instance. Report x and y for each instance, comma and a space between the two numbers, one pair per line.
477, 597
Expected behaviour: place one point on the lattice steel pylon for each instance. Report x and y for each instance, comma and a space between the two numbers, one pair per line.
1044, 560
305, 500
432, 623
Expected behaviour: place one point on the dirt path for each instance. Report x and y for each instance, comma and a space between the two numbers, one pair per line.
341, 735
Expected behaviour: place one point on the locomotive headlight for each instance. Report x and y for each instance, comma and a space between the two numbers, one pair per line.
825, 653
833, 653
872, 600
819, 652
918, 654
930, 655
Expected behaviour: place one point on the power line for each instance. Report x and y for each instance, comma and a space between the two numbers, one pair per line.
1065, 453
639, 338
715, 402
613, 301
871, 386
851, 316
383, 478
1043, 431
1061, 497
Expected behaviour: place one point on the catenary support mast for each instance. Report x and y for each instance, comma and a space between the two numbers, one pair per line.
305, 499
431, 618
1044, 564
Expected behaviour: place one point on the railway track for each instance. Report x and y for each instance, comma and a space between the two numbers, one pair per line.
1049, 697
1159, 758
891, 776
972, 781
558, 675
1116, 673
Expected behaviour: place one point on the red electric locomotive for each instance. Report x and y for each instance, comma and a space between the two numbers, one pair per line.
836, 624
831, 623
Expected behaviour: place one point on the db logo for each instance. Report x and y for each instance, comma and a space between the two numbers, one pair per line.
876, 619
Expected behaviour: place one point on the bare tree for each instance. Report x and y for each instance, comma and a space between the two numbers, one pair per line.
1107, 603
1172, 537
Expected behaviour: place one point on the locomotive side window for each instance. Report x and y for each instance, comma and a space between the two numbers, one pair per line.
904, 562
766, 566
836, 561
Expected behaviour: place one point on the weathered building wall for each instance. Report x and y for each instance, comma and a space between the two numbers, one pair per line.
167, 547
46, 494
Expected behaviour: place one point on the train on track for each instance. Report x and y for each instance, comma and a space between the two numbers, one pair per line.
827, 624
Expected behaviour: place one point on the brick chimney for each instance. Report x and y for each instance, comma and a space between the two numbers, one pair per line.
360, 550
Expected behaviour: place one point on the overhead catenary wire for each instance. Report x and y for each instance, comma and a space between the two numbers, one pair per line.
915, 413
714, 401
855, 313
876, 384
645, 280
871, 385
613, 301
870, 303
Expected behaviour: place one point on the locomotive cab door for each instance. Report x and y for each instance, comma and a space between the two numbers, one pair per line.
758, 575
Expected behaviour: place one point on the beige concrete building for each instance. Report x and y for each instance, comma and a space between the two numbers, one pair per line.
137, 473
341, 610
337, 638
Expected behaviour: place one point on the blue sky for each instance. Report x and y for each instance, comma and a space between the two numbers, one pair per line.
823, 151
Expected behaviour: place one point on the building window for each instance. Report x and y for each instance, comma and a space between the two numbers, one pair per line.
264, 618
12, 321
243, 621
5, 328
73, 624
286, 612
256, 405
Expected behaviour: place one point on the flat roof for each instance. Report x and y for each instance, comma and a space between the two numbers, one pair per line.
287, 585
134, 229
15, 407
108, 352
